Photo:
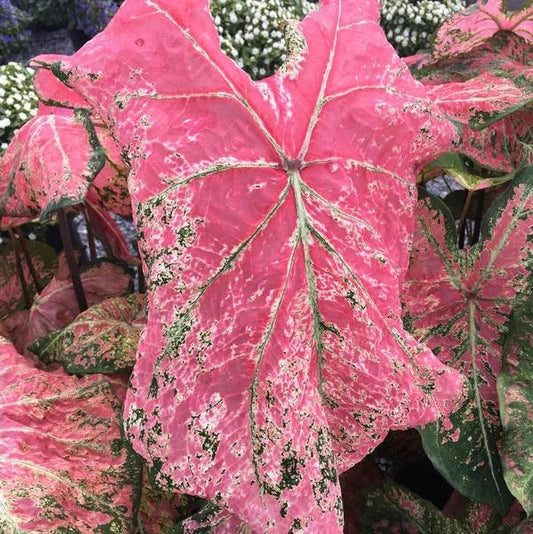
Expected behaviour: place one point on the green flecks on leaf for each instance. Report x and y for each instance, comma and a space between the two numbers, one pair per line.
176, 333
296, 525
154, 387
290, 467
61, 75
284, 509
210, 441
186, 235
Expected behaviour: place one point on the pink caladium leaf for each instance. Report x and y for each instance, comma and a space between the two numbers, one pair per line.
459, 302
102, 339
213, 519
504, 52
274, 221
466, 30
64, 464
56, 306
488, 90
110, 186
13, 328
515, 392
393, 508
49, 164
44, 261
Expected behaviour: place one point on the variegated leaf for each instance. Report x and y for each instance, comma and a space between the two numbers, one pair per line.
515, 391
67, 155
466, 30
56, 306
459, 303
64, 465
392, 508
102, 339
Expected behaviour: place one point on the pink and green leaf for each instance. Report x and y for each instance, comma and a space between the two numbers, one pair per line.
49, 164
160, 511
56, 306
515, 391
64, 464
392, 508
211, 518
102, 339
459, 303
488, 91
467, 30
274, 354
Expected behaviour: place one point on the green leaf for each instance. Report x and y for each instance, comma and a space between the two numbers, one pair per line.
465, 172
515, 391
392, 508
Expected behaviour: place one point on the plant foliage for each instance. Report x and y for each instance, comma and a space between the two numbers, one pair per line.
300, 304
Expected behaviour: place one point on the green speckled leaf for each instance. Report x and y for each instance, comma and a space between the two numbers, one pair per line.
392, 508
56, 306
103, 339
49, 164
160, 511
64, 465
515, 391
212, 519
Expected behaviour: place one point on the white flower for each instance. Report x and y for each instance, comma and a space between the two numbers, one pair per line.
5, 122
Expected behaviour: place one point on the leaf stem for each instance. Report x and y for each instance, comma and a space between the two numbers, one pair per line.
462, 220
479, 216
27, 256
71, 259
20, 270
90, 234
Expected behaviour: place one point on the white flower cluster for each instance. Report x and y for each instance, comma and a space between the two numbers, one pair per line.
251, 31
18, 100
410, 25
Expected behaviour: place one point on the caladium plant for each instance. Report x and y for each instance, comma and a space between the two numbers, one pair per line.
65, 465
274, 222
103, 339
267, 349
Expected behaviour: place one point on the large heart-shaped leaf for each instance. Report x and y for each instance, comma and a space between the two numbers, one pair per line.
102, 339
274, 222
64, 465
515, 391
459, 303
